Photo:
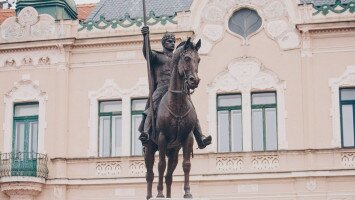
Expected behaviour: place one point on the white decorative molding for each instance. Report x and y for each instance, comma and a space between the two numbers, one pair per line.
348, 159
230, 164
311, 185
108, 168
137, 168
33, 58
29, 25
245, 75
59, 192
21, 190
347, 79
110, 90
265, 162
275, 15
25, 90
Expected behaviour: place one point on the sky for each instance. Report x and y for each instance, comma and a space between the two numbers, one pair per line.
86, 1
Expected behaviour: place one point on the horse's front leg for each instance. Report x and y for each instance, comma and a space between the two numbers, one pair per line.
149, 152
161, 164
173, 157
186, 164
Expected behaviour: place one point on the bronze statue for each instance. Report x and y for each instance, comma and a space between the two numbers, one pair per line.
174, 74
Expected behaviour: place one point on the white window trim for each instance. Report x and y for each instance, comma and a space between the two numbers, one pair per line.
110, 90
347, 79
246, 75
25, 90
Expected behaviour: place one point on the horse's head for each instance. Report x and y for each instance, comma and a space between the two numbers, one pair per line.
187, 60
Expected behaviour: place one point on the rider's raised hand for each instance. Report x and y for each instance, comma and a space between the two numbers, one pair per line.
145, 30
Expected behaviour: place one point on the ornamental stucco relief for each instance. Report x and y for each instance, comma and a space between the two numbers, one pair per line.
25, 90
348, 159
41, 58
273, 12
244, 75
29, 25
108, 168
347, 79
230, 164
265, 162
137, 168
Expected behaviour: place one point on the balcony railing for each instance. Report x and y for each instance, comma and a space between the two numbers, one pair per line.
23, 164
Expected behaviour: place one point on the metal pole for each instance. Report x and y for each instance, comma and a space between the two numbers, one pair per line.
150, 78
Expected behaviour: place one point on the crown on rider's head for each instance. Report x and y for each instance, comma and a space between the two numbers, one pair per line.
166, 36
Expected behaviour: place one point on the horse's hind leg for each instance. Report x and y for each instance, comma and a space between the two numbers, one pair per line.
161, 164
186, 164
149, 163
173, 157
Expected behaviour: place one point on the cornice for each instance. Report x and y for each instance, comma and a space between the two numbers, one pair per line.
327, 27
126, 40
35, 45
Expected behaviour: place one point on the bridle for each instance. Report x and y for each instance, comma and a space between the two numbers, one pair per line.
186, 89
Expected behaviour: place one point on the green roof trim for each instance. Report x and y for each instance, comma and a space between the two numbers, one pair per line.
59, 9
127, 21
337, 8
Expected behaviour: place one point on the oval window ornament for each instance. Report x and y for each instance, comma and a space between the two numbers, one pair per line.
244, 22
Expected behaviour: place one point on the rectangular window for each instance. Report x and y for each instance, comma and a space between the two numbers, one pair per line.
229, 112
25, 139
25, 134
138, 107
347, 110
264, 121
110, 128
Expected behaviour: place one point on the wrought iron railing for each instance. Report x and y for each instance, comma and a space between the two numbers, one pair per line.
23, 164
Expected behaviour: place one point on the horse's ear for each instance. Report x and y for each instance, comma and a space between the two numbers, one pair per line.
198, 45
187, 43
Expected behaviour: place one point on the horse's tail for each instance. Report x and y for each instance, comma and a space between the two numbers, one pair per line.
192, 153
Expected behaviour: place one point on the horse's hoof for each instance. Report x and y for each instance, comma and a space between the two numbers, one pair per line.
188, 196
160, 196
149, 197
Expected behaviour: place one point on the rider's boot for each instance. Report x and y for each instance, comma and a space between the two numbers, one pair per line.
144, 136
202, 140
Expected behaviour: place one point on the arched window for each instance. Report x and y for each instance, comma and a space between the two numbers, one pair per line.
245, 22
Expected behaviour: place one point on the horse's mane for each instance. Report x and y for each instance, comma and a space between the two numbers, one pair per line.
178, 51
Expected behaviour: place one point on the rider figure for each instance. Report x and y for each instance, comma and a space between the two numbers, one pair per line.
161, 73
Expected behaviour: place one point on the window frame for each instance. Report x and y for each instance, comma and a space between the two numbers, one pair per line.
263, 107
105, 114
341, 103
133, 113
229, 109
26, 120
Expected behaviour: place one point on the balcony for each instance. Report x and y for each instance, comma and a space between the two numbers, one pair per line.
23, 174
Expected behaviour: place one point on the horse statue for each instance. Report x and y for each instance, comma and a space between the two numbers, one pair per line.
176, 119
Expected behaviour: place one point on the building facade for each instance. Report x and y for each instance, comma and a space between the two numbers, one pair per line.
277, 95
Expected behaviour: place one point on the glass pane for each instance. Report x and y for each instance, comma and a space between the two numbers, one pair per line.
237, 130
117, 136
257, 130
26, 110
33, 137
348, 125
136, 143
347, 94
139, 104
263, 98
229, 100
245, 22
20, 137
105, 138
111, 106
223, 131
271, 128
